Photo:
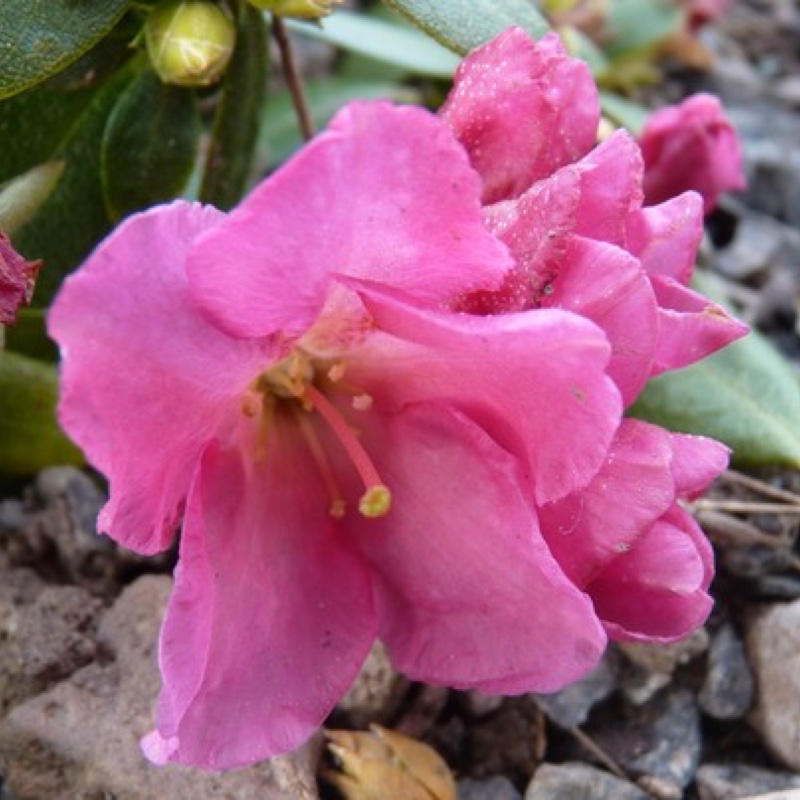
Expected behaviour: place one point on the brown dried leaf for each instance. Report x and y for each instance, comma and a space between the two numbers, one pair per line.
386, 765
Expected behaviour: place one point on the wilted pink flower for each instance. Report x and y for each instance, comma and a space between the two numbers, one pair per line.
571, 213
17, 278
350, 457
691, 146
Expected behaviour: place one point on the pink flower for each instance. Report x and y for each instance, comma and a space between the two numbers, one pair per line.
17, 278
691, 146
350, 457
571, 213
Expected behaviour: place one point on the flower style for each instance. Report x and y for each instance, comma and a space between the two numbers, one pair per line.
17, 279
691, 145
572, 216
351, 458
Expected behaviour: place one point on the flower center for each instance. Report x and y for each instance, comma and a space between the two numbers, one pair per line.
295, 379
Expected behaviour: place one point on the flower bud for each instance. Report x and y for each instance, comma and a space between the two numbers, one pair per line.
189, 41
299, 9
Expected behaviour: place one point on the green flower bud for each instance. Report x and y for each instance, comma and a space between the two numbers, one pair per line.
190, 42
299, 9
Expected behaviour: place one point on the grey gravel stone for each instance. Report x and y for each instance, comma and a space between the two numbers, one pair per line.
773, 644
728, 689
661, 739
80, 739
497, 788
574, 781
734, 781
571, 706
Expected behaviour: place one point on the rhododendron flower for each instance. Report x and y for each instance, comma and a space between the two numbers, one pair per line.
17, 278
571, 213
351, 458
691, 145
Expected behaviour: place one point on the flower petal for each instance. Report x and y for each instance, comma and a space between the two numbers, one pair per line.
145, 380
665, 238
17, 278
508, 99
611, 187
386, 193
607, 285
589, 529
535, 381
272, 613
468, 594
696, 462
691, 327
657, 592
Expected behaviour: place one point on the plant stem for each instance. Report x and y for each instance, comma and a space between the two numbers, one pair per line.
293, 80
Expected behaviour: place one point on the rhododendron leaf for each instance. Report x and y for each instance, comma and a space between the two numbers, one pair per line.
463, 25
30, 438
57, 234
234, 137
149, 146
400, 46
625, 113
23, 196
38, 39
637, 25
746, 396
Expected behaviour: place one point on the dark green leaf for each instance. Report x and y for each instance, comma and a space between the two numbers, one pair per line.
150, 145
28, 336
30, 438
235, 134
40, 37
463, 25
74, 217
746, 396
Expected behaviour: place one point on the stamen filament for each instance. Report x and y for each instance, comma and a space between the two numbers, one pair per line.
337, 507
377, 499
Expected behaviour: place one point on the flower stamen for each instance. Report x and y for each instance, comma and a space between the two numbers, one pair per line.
337, 506
377, 499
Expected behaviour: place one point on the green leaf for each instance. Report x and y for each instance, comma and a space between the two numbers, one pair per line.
624, 113
463, 25
746, 396
235, 133
149, 146
28, 336
634, 26
74, 217
41, 37
30, 438
280, 136
23, 196
383, 41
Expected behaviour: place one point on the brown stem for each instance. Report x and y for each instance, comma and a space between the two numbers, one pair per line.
293, 80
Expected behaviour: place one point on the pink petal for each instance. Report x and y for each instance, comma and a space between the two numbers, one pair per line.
657, 592
386, 193
666, 237
145, 380
691, 145
605, 284
691, 326
611, 188
522, 109
535, 381
696, 463
468, 593
271, 616
590, 528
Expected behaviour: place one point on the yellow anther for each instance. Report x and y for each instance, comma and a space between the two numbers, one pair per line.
375, 502
362, 402
337, 508
336, 372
